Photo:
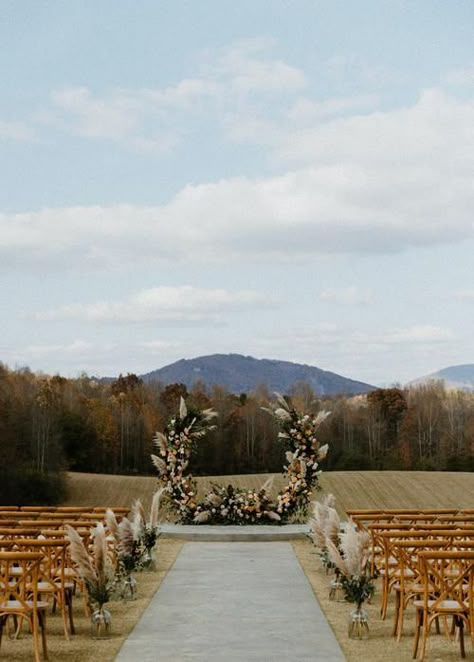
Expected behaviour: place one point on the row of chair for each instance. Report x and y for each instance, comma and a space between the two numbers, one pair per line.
426, 560
36, 570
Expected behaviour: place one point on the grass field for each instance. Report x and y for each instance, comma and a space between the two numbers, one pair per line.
352, 489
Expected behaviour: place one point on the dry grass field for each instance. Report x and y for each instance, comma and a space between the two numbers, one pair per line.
352, 489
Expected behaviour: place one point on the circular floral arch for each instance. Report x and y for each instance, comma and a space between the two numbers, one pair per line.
233, 505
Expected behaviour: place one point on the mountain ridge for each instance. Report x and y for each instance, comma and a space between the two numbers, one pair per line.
455, 376
240, 374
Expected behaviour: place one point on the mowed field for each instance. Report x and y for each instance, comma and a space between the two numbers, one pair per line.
352, 489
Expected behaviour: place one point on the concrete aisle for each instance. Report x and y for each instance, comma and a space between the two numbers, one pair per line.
233, 602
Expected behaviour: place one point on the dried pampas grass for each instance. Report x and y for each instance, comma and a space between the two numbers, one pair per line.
126, 538
112, 524
353, 553
159, 464
99, 547
202, 517
80, 556
325, 523
155, 507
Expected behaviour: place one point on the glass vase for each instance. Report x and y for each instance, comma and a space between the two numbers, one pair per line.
359, 624
336, 592
129, 588
101, 623
149, 560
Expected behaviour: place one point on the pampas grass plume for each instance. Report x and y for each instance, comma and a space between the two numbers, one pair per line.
155, 507
125, 546
112, 524
159, 463
80, 556
99, 547
202, 517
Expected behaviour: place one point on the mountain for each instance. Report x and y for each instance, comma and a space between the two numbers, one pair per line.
455, 376
241, 374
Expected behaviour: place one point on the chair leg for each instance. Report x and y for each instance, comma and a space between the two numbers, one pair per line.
42, 621
460, 625
35, 617
418, 618
424, 635
396, 614
69, 603
384, 606
401, 617
62, 605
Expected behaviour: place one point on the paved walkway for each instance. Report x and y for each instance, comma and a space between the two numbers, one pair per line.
233, 602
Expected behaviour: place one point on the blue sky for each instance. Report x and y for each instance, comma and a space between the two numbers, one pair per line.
286, 180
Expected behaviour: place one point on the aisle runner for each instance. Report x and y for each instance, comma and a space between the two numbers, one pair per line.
233, 602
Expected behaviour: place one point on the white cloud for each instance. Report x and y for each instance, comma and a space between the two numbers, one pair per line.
463, 76
419, 334
464, 295
351, 296
77, 347
305, 111
246, 69
17, 131
380, 183
168, 304
112, 118
151, 119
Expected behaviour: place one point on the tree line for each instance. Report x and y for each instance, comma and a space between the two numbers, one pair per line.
50, 424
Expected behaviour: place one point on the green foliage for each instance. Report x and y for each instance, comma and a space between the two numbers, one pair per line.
357, 588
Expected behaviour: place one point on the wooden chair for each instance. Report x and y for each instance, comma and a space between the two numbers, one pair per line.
53, 583
408, 583
388, 543
19, 596
448, 591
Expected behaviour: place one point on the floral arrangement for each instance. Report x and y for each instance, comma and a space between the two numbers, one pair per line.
127, 544
325, 524
175, 447
94, 569
303, 456
231, 505
147, 531
352, 558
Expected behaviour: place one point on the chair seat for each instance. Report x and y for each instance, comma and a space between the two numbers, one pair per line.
410, 588
47, 587
406, 573
443, 606
16, 605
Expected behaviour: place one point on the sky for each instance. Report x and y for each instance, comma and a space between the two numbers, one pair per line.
286, 180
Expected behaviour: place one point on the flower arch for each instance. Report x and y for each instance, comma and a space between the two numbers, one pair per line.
232, 505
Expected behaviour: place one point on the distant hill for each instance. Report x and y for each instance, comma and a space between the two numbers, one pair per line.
241, 374
455, 376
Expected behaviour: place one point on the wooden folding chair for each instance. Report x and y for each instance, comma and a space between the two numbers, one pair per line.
19, 596
448, 590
